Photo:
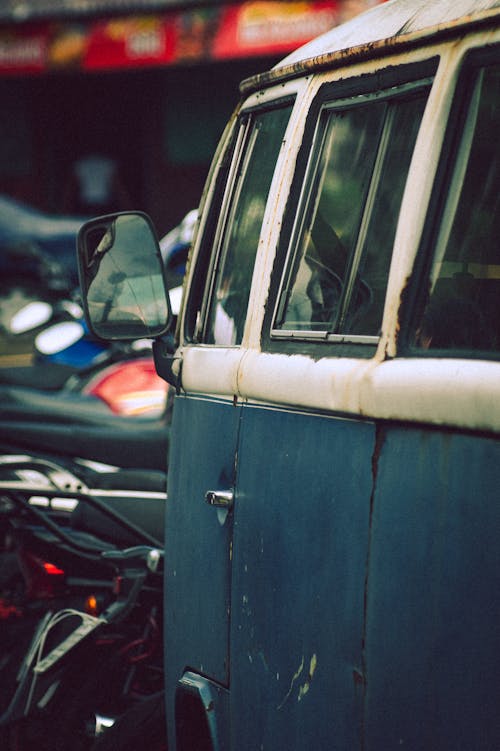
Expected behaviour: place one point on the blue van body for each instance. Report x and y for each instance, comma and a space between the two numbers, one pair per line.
350, 597
331, 543
363, 609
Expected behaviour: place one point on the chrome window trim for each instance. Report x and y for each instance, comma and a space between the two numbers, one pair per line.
324, 336
243, 152
201, 323
304, 207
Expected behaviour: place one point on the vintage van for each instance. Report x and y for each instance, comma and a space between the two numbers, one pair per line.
333, 514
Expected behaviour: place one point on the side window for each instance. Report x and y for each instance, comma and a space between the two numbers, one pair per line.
337, 276
261, 137
462, 309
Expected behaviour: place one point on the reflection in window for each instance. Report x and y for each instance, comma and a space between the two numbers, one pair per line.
338, 282
229, 303
463, 309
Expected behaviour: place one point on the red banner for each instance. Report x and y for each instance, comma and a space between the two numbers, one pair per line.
220, 33
130, 43
267, 28
25, 52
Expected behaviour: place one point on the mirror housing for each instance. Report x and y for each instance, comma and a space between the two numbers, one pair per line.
122, 278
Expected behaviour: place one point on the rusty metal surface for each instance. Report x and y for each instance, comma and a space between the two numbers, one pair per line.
385, 29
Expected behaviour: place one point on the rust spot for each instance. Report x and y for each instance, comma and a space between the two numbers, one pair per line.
379, 442
358, 677
402, 304
410, 307
404, 40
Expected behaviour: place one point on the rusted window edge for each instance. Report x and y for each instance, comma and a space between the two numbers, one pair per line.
371, 50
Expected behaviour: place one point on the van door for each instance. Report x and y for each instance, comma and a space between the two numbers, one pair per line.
301, 532
306, 473
205, 428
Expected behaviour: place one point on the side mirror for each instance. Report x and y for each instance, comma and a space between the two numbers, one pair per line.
122, 278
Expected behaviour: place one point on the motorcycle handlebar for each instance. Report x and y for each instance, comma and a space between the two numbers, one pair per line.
141, 555
49, 478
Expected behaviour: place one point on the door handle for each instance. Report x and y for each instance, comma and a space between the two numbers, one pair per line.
220, 498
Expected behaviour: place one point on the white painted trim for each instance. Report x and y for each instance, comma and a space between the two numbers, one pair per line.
211, 370
458, 393
453, 392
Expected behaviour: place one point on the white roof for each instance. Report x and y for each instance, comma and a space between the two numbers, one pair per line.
391, 19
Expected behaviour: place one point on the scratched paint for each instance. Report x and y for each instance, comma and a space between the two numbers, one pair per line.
305, 686
295, 677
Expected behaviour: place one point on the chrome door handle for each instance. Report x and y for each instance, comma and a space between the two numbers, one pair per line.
220, 498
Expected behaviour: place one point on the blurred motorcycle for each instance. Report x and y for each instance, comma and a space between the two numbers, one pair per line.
65, 358
37, 247
80, 600
69, 360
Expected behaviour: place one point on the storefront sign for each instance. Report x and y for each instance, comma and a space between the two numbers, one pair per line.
263, 28
217, 33
130, 42
25, 52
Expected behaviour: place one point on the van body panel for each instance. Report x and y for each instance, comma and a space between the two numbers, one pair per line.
348, 599
432, 649
297, 617
200, 549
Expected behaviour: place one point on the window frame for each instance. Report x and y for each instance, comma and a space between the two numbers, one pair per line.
359, 86
327, 107
229, 196
414, 298
220, 212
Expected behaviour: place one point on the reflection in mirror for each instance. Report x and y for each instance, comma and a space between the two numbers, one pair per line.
122, 278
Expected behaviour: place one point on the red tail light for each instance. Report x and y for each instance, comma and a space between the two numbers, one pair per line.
131, 387
52, 570
7, 610
43, 579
